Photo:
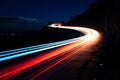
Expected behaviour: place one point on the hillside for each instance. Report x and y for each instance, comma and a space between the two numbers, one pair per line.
103, 16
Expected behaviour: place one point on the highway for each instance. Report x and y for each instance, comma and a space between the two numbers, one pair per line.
42, 64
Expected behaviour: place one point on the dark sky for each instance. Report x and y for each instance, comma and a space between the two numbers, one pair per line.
44, 10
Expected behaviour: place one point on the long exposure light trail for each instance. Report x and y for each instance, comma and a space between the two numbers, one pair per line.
6, 55
59, 55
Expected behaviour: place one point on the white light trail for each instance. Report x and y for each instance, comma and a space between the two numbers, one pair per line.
10, 54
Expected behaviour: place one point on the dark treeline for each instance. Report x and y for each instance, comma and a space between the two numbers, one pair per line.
104, 16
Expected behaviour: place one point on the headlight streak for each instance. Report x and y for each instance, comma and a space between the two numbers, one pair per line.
22, 49
10, 55
91, 36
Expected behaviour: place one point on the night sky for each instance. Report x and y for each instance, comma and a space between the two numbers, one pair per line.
44, 10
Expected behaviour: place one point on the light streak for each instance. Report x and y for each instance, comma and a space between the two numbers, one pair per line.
62, 53
30, 50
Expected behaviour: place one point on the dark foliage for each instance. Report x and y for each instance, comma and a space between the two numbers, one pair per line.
104, 16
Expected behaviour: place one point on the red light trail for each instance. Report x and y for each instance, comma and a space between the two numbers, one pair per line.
53, 57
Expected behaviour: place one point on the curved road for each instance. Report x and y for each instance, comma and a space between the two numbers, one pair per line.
64, 50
